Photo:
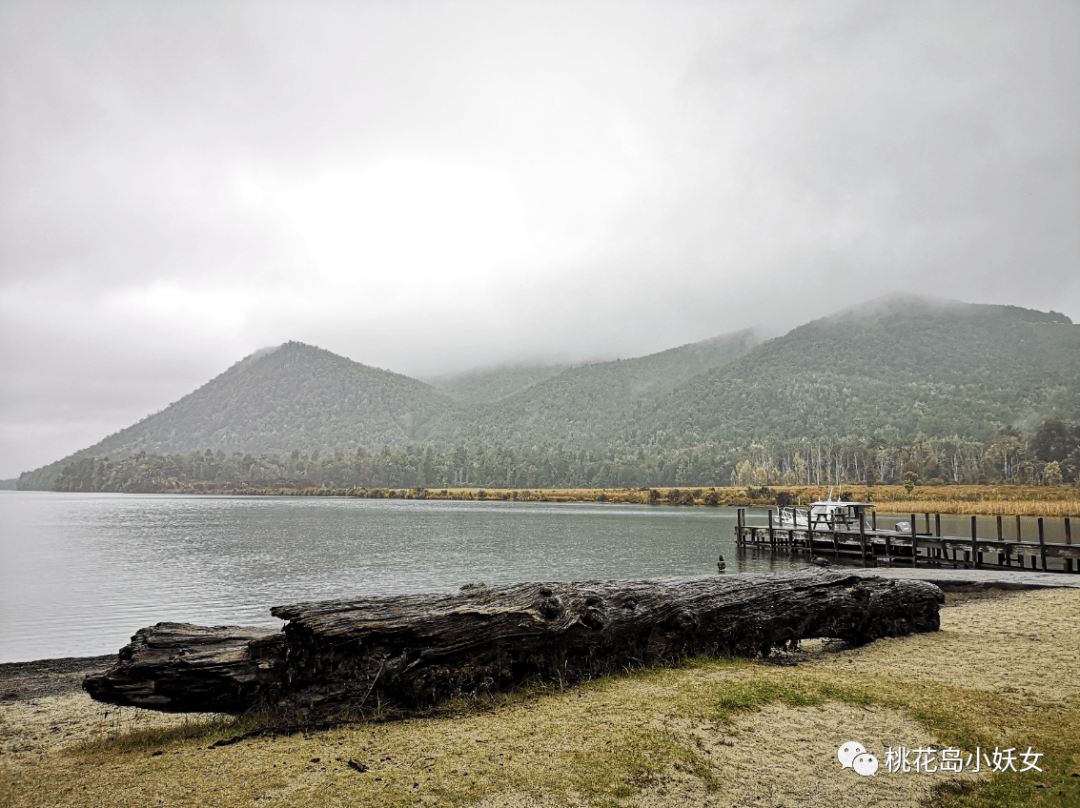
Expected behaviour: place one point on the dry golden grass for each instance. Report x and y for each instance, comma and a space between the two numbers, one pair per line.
953, 499
1004, 507
974, 500
963, 500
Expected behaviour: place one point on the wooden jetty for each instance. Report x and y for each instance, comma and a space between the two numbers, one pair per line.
868, 546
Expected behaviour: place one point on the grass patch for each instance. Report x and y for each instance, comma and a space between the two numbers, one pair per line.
647, 753
715, 663
200, 729
853, 694
736, 697
1056, 786
146, 739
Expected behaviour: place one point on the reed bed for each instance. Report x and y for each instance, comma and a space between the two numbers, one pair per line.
1003, 507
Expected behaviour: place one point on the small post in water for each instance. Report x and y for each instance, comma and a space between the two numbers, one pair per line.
1019, 538
1068, 540
974, 544
862, 537
914, 542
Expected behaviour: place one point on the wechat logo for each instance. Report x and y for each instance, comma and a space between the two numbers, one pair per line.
853, 755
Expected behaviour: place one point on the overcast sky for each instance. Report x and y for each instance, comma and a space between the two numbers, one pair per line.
434, 186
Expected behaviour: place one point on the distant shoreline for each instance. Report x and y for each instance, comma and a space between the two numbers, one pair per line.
978, 500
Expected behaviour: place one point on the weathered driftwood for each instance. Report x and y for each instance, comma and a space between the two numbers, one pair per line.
414, 650
178, 667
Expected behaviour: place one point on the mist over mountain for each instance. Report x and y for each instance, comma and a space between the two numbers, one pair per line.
578, 405
486, 386
902, 368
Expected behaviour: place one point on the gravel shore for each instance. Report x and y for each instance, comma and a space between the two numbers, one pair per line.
24, 681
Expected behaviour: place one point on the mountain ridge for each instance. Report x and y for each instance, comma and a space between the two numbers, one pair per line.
976, 360
888, 370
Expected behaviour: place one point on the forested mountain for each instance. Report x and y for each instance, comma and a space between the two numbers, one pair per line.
579, 405
297, 398
894, 369
903, 386
293, 397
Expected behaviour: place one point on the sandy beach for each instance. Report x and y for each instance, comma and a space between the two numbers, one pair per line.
1006, 662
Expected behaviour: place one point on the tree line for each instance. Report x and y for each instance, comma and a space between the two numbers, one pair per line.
1048, 456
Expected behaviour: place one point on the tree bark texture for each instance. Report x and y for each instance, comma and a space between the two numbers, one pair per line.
411, 651
178, 667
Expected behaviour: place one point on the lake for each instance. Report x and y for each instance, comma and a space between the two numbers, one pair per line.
80, 573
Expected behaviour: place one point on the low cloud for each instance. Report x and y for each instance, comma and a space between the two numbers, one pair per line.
435, 187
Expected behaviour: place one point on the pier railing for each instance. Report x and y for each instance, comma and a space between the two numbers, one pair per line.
867, 545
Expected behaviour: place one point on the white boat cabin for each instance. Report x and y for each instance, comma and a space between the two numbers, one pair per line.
826, 514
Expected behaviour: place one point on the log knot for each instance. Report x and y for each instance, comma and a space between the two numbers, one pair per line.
685, 621
551, 606
592, 619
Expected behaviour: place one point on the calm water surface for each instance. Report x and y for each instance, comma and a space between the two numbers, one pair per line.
80, 573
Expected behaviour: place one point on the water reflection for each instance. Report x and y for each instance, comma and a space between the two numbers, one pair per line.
79, 573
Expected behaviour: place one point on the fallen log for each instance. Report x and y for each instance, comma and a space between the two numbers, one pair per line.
178, 667
412, 651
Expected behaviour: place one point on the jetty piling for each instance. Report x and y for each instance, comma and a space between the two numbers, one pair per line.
1042, 544
1068, 540
862, 541
914, 542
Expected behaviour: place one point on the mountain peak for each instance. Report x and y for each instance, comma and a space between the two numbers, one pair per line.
275, 400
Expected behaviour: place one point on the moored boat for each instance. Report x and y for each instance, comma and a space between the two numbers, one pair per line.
825, 514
